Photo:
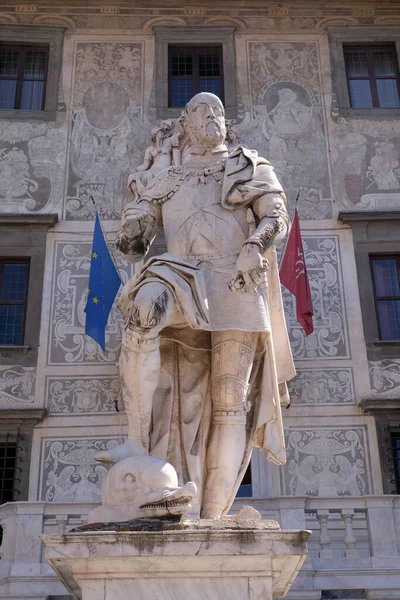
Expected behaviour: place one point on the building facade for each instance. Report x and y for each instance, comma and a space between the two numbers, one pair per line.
312, 86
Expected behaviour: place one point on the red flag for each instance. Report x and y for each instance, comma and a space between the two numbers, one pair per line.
293, 274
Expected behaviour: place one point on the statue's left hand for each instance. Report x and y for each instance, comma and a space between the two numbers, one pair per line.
250, 269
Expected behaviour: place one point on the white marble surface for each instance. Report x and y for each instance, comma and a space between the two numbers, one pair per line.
216, 293
141, 487
242, 564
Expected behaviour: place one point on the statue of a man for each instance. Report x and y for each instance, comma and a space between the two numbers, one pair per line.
205, 354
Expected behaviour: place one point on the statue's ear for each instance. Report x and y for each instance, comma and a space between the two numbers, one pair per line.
129, 478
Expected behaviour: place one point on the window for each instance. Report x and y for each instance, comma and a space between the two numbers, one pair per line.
30, 65
395, 443
372, 76
193, 70
376, 238
194, 58
8, 456
386, 282
23, 71
13, 295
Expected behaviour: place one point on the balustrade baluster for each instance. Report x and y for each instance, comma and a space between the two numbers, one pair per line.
324, 537
350, 539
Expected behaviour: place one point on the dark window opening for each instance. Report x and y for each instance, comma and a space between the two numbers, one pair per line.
194, 69
246, 488
386, 285
394, 458
8, 458
372, 76
23, 73
13, 296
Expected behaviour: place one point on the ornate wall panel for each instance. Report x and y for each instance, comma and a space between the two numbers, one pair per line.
107, 133
69, 471
17, 387
385, 377
87, 395
287, 124
330, 336
320, 387
32, 158
67, 342
327, 461
366, 163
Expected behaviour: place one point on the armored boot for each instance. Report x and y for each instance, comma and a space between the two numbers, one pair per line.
224, 458
139, 367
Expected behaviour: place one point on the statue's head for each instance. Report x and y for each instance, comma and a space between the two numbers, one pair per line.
204, 120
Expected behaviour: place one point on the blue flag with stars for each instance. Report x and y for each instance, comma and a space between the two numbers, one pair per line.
104, 282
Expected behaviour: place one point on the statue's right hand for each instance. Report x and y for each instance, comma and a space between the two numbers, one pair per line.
137, 232
134, 220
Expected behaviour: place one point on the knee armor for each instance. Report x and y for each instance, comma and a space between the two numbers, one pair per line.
149, 312
230, 399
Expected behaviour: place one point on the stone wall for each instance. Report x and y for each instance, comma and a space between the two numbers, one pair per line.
106, 109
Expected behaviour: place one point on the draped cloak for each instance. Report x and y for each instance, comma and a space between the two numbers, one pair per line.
182, 406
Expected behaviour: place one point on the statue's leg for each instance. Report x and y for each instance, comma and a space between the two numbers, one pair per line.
139, 365
232, 359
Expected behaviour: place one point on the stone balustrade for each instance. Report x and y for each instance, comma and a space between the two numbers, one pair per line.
355, 543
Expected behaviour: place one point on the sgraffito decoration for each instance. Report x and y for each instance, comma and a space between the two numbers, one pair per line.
327, 462
70, 472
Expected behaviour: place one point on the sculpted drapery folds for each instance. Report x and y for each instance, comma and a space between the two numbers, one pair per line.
205, 354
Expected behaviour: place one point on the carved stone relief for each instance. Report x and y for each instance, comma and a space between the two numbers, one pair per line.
86, 395
67, 340
69, 472
330, 336
109, 21
108, 135
366, 164
32, 157
17, 386
287, 125
319, 387
385, 377
329, 461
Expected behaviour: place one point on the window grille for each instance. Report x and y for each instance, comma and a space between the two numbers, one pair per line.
372, 76
8, 468
194, 69
394, 459
13, 297
23, 74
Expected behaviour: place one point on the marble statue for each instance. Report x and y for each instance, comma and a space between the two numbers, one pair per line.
205, 354
140, 487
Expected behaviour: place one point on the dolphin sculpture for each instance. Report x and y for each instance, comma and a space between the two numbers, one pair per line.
141, 486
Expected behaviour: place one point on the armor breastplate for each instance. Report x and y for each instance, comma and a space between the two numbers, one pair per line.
195, 223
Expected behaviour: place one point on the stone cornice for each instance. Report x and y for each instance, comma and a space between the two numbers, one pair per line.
381, 405
10, 419
31, 221
350, 217
316, 15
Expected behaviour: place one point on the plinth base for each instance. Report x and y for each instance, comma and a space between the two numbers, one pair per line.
193, 560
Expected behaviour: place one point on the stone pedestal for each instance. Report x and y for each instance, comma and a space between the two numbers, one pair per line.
196, 560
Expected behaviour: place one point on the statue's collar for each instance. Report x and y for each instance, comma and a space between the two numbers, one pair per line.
201, 150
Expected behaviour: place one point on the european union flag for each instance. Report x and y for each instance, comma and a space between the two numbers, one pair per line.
104, 282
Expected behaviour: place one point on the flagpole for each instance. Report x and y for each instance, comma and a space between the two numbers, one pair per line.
297, 199
294, 212
105, 238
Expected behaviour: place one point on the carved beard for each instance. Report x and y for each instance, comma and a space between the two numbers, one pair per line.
209, 134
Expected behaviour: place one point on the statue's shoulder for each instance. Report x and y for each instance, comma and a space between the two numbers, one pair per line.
163, 185
246, 155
